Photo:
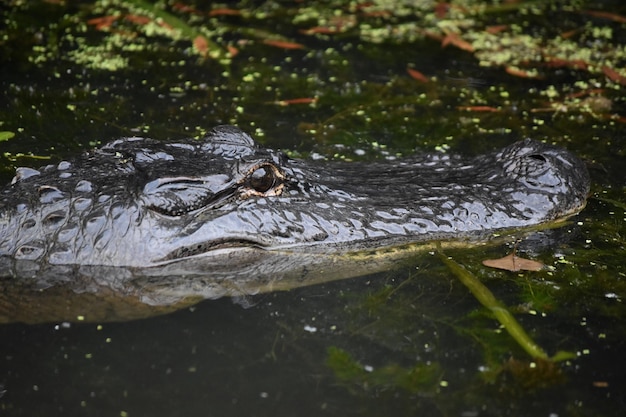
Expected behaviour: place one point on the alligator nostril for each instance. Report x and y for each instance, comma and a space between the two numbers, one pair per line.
537, 157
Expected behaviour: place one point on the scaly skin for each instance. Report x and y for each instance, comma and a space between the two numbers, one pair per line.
139, 204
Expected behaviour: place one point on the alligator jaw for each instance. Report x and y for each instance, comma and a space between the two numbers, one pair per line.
210, 246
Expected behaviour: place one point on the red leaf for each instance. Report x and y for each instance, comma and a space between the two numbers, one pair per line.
454, 39
301, 100
185, 9
139, 20
201, 45
479, 108
320, 29
103, 22
164, 24
232, 51
569, 33
416, 75
606, 15
520, 73
224, 12
614, 75
283, 44
441, 9
592, 91
496, 29
575, 63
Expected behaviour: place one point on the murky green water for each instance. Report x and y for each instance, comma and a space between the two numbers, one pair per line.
333, 79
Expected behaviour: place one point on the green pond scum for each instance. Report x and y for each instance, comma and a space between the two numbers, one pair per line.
349, 80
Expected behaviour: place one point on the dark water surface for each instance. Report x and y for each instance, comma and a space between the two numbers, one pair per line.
410, 341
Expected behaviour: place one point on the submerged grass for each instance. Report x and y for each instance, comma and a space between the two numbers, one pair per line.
420, 379
500, 312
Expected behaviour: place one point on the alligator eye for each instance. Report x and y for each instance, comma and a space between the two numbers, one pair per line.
262, 179
265, 180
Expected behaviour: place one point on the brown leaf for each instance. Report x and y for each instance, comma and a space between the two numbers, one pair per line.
478, 108
454, 39
103, 22
616, 117
201, 45
520, 73
283, 44
441, 10
185, 9
335, 24
579, 64
496, 29
614, 75
606, 15
300, 100
137, 19
588, 92
416, 75
514, 263
224, 12
320, 29
570, 33
232, 51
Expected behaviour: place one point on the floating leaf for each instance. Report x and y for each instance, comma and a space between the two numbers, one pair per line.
614, 75
320, 29
416, 75
4, 136
232, 51
570, 33
511, 262
224, 12
300, 100
454, 39
578, 64
496, 29
337, 24
283, 44
201, 44
102, 23
185, 9
586, 92
521, 73
441, 10
479, 108
137, 19
606, 15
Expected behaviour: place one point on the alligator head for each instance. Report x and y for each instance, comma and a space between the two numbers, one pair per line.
141, 204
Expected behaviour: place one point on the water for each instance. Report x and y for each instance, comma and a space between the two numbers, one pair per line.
423, 349
410, 341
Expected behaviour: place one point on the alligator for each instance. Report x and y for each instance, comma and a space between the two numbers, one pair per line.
141, 224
